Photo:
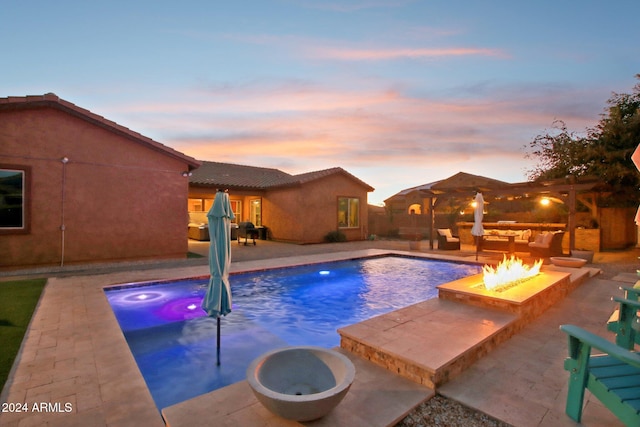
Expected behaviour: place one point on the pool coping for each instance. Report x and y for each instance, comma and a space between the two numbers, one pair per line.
75, 352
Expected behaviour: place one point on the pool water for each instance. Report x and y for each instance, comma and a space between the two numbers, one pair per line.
174, 342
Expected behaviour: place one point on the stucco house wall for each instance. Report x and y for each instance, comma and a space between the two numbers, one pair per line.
282, 215
316, 209
118, 195
305, 213
295, 208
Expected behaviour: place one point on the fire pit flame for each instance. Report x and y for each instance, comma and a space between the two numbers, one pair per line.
509, 272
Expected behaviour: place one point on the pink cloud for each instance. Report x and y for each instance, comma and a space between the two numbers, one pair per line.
329, 49
300, 127
350, 54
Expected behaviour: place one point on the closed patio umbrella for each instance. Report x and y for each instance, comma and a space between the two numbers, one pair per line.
217, 300
477, 230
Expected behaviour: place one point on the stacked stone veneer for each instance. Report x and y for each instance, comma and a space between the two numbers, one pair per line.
420, 373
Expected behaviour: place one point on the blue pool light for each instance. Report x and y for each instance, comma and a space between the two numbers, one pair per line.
143, 296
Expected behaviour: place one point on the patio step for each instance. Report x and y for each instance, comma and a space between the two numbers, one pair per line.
429, 342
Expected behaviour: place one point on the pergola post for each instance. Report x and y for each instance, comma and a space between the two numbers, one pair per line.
432, 220
572, 218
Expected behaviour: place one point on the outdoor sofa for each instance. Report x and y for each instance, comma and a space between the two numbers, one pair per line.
199, 232
497, 240
547, 244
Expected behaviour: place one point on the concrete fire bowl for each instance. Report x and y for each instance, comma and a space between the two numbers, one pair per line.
301, 383
563, 261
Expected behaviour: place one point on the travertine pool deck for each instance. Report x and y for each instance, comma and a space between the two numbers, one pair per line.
74, 352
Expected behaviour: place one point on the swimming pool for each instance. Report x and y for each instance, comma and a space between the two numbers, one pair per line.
173, 341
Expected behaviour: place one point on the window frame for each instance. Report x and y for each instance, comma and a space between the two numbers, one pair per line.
348, 214
26, 199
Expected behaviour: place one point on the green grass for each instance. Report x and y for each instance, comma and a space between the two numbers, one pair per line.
18, 300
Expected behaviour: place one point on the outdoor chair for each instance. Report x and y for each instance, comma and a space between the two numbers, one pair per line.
612, 377
247, 231
447, 241
624, 320
547, 245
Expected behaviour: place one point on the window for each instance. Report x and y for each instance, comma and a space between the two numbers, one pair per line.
256, 212
204, 205
348, 212
415, 209
236, 207
196, 205
208, 204
14, 199
200, 205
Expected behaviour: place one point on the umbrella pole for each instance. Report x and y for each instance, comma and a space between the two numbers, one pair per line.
218, 344
477, 246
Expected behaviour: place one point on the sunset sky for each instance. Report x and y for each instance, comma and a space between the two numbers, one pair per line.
399, 93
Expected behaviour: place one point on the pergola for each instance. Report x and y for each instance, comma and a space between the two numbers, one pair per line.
463, 185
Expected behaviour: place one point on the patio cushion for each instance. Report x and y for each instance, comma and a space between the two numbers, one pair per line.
445, 232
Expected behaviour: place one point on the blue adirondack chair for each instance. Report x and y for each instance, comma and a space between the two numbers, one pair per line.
612, 377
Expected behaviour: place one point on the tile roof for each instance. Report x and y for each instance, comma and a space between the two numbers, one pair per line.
229, 175
53, 101
310, 176
234, 176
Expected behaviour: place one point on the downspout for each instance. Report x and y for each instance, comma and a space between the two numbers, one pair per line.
64, 161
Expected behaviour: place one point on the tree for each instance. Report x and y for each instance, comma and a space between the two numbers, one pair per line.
604, 151
556, 152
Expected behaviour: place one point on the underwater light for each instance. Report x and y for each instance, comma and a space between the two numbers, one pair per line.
192, 306
139, 297
324, 272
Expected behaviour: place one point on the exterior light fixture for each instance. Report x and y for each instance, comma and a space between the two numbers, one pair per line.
545, 201
186, 174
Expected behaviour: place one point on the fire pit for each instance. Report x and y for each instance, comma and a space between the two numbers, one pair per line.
527, 295
509, 272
